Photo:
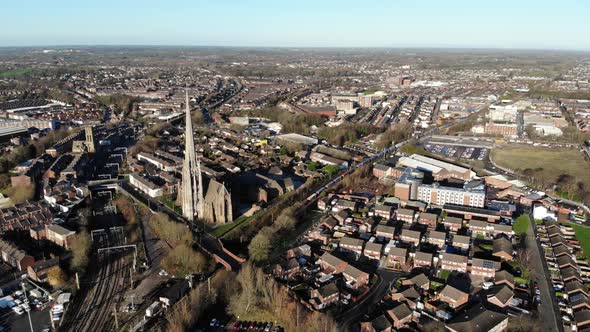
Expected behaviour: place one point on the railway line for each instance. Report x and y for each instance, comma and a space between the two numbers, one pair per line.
92, 307
94, 313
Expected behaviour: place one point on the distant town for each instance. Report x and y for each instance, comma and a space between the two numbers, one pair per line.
222, 189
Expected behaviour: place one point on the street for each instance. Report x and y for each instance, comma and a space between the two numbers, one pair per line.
548, 309
355, 312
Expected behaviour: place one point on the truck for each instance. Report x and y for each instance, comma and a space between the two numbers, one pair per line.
153, 309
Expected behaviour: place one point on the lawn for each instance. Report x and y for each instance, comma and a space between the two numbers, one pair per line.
583, 235
226, 228
14, 73
553, 161
435, 285
444, 274
521, 224
486, 246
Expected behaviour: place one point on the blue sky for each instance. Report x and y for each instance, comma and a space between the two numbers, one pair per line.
562, 24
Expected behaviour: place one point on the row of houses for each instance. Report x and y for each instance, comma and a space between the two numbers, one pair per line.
570, 273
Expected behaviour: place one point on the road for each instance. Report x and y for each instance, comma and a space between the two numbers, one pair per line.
548, 309
377, 292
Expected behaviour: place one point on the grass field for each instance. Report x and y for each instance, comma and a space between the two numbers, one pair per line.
224, 229
554, 162
521, 224
583, 235
15, 73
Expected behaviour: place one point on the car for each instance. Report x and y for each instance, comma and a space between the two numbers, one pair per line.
213, 322
268, 327
487, 285
18, 310
252, 325
566, 318
235, 326
26, 306
244, 325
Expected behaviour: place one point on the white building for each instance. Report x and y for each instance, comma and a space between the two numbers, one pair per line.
439, 195
540, 212
143, 184
503, 113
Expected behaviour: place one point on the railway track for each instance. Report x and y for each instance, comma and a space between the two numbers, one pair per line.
94, 313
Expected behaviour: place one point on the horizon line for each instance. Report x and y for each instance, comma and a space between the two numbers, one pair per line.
438, 47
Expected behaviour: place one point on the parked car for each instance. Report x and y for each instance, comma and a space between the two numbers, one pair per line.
18, 310
487, 285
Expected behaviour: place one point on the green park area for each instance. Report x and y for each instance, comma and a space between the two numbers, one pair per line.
220, 231
543, 167
521, 224
583, 235
15, 73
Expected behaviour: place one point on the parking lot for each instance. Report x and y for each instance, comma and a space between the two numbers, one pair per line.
14, 307
457, 152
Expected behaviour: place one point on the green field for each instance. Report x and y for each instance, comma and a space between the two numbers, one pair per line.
583, 235
552, 161
15, 73
521, 224
220, 231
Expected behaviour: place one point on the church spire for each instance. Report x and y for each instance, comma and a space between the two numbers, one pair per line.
192, 182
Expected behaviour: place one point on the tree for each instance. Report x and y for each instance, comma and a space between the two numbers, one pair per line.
347, 132
198, 118
318, 322
182, 260
330, 169
255, 296
21, 194
312, 166
523, 323
172, 232
148, 144
436, 326
156, 129
80, 249
121, 102
396, 133
57, 277
183, 316
524, 258
260, 246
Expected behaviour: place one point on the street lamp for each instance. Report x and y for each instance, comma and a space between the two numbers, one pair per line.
29, 308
